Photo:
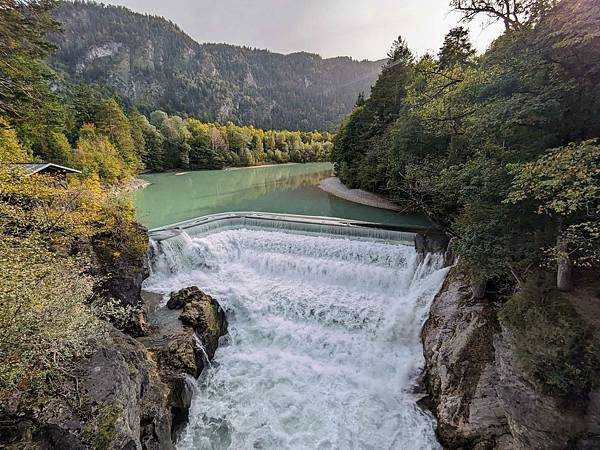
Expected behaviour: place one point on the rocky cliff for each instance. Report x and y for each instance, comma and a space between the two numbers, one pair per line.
126, 393
480, 390
113, 399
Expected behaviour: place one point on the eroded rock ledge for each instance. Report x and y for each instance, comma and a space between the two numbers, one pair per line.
478, 392
186, 333
129, 394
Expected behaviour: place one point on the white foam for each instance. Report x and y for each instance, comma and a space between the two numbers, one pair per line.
324, 346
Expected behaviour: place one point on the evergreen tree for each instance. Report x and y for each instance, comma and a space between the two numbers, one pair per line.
457, 48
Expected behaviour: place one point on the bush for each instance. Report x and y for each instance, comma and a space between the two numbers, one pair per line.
554, 346
44, 320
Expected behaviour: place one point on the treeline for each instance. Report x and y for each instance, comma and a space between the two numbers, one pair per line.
169, 142
116, 145
501, 151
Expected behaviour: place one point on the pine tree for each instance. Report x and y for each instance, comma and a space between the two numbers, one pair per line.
457, 48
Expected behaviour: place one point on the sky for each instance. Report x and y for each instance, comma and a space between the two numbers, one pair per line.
362, 29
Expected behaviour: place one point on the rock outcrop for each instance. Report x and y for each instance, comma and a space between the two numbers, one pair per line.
186, 337
114, 399
129, 394
478, 391
460, 373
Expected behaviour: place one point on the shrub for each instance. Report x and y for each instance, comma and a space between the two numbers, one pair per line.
553, 345
44, 320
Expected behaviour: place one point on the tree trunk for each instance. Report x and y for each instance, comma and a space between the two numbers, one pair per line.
564, 273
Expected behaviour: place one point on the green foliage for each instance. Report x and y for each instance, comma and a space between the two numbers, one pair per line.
559, 352
457, 48
465, 139
564, 184
563, 181
113, 123
25, 96
174, 143
96, 155
10, 149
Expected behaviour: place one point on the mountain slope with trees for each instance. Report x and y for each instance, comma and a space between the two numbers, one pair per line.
152, 64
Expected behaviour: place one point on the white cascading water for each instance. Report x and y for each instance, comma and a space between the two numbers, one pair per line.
324, 348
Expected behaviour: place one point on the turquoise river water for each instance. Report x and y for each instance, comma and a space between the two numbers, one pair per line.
286, 189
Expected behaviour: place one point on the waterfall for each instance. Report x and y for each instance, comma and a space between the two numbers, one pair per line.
324, 344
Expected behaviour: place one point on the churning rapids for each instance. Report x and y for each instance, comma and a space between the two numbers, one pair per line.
324, 349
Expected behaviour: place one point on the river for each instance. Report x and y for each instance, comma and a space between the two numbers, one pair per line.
290, 189
323, 349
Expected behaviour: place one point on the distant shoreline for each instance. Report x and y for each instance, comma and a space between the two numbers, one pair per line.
135, 184
260, 166
335, 187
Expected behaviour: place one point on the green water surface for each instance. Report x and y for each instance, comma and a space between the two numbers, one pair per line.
288, 189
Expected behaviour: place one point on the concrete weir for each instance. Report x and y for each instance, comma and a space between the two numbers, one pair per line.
290, 224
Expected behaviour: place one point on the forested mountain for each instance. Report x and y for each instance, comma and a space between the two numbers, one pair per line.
153, 64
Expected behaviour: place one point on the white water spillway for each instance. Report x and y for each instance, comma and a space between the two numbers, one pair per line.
324, 348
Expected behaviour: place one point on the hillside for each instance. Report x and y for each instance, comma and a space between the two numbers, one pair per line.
154, 65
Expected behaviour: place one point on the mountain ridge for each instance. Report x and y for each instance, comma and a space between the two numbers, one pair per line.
151, 63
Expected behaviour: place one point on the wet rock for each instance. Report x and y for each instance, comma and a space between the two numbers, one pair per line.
181, 346
431, 243
177, 300
204, 314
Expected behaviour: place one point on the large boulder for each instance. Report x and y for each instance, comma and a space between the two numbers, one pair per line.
187, 332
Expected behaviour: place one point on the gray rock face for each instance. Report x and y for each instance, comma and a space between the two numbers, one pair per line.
460, 371
480, 396
115, 400
538, 421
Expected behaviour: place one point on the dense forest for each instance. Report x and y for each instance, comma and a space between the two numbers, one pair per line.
152, 64
116, 144
502, 152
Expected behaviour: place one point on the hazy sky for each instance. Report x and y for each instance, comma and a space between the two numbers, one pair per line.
363, 29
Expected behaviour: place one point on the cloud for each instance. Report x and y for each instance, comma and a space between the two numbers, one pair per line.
363, 29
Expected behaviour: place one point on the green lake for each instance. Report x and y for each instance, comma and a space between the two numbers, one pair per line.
287, 189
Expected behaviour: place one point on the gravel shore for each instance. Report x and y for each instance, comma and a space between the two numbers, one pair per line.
335, 187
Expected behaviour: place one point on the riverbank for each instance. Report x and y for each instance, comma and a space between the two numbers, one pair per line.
132, 185
262, 166
336, 188
481, 386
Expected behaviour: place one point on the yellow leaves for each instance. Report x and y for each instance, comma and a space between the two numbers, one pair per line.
116, 254
10, 149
